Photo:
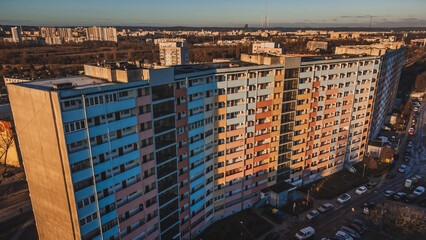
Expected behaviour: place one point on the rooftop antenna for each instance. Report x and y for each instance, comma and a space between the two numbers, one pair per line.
266, 15
371, 20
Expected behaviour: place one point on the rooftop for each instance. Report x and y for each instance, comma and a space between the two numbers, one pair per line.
78, 82
376, 143
279, 187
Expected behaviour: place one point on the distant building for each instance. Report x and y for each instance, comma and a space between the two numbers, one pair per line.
8, 80
316, 45
16, 34
418, 42
173, 53
108, 34
267, 47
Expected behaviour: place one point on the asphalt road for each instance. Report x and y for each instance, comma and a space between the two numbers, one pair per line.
326, 225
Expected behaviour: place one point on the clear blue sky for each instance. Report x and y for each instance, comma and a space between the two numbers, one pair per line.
285, 13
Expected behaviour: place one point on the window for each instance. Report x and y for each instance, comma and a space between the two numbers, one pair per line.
74, 126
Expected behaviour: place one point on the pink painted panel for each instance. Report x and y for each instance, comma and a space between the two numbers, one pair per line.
126, 191
146, 134
143, 100
147, 150
134, 233
130, 205
144, 117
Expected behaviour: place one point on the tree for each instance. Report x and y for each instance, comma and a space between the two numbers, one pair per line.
399, 222
6, 143
420, 84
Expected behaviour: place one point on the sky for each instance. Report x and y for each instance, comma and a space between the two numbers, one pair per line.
214, 13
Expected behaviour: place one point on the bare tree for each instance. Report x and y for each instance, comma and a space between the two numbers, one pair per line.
6, 143
399, 222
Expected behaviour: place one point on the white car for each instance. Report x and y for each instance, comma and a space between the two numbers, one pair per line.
344, 198
402, 168
312, 215
361, 190
419, 191
344, 235
410, 144
305, 233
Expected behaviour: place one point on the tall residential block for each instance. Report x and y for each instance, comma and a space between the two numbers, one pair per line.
126, 152
101, 34
16, 34
267, 47
173, 52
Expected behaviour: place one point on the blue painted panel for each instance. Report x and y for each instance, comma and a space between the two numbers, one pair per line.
89, 227
87, 210
108, 217
111, 232
125, 158
196, 144
196, 118
98, 149
75, 136
124, 141
197, 182
123, 123
78, 156
195, 131
196, 103
120, 105
196, 170
104, 184
197, 89
197, 194
73, 115
94, 111
106, 201
128, 174
102, 167
81, 175
198, 205
84, 193
98, 130
196, 157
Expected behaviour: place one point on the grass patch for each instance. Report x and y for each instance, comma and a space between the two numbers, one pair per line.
230, 227
333, 185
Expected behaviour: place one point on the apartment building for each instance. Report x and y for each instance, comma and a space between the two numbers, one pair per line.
392, 56
101, 34
16, 34
267, 47
173, 52
162, 153
151, 153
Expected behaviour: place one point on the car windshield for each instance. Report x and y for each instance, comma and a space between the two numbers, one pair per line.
301, 233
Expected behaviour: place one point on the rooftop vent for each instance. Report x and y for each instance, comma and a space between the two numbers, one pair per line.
63, 86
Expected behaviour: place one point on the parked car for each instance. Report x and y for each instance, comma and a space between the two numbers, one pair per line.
344, 235
350, 231
343, 198
388, 193
402, 168
406, 159
356, 227
419, 191
408, 150
305, 233
410, 144
399, 196
390, 175
326, 207
393, 138
411, 131
361, 190
360, 223
312, 215
371, 184
272, 236
410, 198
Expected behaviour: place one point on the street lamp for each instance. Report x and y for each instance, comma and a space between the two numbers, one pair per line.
363, 171
241, 222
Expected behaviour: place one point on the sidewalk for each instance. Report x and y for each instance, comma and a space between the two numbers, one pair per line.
14, 211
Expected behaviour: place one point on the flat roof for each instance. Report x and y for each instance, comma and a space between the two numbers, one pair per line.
376, 143
78, 82
279, 187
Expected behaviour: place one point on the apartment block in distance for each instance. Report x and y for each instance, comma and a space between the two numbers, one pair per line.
173, 52
101, 34
267, 47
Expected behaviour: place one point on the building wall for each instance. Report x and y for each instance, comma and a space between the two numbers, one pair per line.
42, 146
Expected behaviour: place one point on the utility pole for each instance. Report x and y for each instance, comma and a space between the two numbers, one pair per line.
371, 20
363, 171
